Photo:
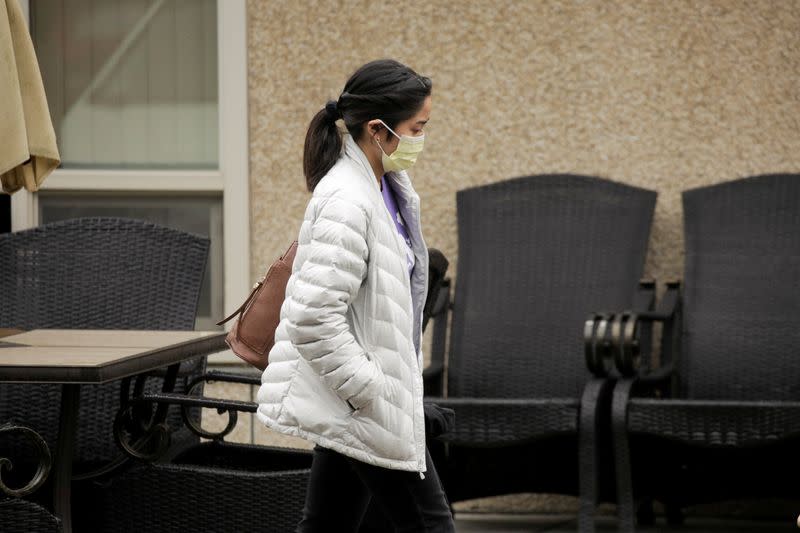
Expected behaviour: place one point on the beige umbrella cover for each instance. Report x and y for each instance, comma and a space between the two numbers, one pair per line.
28, 151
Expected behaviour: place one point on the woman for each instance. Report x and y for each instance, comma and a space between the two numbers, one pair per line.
345, 371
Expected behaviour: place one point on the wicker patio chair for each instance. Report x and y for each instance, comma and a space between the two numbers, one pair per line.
20, 516
721, 419
537, 255
210, 487
96, 273
214, 486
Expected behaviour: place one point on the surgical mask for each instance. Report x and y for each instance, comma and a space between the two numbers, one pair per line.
404, 157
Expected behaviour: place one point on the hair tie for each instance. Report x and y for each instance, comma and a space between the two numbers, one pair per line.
332, 109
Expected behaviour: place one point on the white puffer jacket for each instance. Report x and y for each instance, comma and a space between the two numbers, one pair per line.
351, 324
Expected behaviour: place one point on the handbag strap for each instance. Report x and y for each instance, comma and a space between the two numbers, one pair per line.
289, 253
243, 306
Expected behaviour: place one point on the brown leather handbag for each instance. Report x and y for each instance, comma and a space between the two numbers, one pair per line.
253, 334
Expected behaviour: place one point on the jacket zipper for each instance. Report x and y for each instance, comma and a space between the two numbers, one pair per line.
401, 251
414, 334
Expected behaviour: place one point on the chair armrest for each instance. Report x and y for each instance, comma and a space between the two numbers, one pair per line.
597, 344
442, 304
151, 441
220, 404
645, 298
668, 307
433, 375
432, 378
627, 327
437, 306
656, 378
597, 331
437, 270
249, 378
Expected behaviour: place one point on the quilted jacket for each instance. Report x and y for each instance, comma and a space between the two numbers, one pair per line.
346, 368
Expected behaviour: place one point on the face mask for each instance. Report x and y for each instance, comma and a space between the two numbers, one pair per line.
404, 157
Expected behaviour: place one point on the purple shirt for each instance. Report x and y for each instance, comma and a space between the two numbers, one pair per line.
391, 205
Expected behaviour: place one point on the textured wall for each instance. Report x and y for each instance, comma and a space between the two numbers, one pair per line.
665, 95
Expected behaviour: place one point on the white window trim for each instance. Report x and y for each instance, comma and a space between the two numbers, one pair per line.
234, 151
232, 178
136, 180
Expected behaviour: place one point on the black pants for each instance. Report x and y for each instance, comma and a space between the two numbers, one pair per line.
341, 488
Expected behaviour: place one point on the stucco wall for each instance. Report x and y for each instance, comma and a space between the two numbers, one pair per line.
663, 94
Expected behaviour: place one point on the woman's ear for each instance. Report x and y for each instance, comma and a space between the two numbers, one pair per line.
373, 127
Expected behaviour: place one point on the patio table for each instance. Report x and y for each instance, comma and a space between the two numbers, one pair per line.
73, 358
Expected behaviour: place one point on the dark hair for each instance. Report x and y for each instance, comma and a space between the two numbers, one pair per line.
383, 89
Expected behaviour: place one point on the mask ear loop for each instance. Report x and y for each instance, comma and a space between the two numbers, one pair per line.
390, 129
383, 153
378, 142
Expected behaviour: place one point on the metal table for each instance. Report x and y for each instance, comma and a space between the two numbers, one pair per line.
76, 357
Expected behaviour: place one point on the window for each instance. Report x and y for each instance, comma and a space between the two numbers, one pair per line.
149, 103
130, 84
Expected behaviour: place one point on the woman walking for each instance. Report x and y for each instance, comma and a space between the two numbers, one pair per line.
346, 368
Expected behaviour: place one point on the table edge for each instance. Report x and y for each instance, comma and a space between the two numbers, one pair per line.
106, 372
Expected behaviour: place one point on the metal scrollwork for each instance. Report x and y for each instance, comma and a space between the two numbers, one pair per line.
625, 332
42, 470
195, 427
597, 346
136, 433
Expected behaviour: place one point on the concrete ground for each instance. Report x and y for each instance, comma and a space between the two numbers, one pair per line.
507, 523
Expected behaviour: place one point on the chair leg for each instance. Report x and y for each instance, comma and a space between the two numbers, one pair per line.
591, 408
622, 456
645, 515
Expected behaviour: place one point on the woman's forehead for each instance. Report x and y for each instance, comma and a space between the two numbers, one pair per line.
424, 114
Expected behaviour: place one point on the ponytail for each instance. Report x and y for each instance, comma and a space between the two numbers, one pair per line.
323, 145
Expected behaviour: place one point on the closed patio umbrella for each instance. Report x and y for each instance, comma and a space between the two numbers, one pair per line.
28, 151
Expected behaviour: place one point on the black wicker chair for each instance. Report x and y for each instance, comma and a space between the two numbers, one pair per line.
210, 487
220, 486
20, 516
537, 255
96, 273
731, 425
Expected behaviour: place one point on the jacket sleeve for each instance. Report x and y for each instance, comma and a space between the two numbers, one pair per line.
328, 280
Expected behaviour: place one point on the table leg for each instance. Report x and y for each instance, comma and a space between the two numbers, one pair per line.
62, 479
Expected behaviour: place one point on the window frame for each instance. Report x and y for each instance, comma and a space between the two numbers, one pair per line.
230, 180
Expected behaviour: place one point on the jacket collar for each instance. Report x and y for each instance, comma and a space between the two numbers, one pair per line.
407, 198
